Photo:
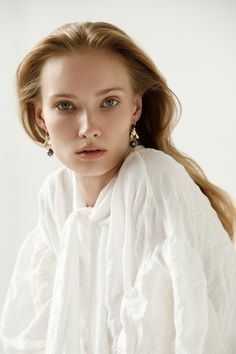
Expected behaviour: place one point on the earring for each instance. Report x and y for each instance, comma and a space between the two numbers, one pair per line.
133, 136
47, 144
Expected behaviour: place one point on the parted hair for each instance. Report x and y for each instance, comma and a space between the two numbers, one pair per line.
161, 108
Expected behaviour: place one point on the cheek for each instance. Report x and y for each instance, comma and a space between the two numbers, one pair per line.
119, 124
58, 129
117, 132
59, 126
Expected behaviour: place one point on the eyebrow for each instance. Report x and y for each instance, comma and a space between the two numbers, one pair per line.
102, 92
99, 93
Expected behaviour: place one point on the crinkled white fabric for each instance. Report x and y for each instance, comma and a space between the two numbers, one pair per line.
149, 269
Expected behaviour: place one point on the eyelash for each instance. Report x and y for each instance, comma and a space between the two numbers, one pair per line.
70, 109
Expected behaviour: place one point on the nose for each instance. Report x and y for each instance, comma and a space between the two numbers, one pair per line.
88, 127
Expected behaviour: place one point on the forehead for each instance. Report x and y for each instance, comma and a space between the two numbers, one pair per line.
89, 69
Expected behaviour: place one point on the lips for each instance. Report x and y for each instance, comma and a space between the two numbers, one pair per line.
91, 154
89, 151
90, 148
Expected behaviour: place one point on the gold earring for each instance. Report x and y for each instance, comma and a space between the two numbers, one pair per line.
133, 136
47, 144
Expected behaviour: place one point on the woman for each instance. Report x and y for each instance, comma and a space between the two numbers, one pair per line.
133, 252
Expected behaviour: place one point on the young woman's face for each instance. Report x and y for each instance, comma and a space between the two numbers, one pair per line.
87, 98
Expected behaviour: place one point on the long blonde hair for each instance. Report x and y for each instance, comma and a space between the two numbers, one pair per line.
161, 107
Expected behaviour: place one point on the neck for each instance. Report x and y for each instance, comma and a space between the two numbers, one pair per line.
91, 186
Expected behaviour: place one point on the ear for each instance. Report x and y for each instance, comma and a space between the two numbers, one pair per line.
39, 116
137, 107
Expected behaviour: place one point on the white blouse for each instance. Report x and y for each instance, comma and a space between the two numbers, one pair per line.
149, 269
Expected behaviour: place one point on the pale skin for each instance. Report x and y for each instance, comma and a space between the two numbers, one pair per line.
81, 114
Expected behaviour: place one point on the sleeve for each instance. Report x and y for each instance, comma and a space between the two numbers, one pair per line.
25, 313
201, 261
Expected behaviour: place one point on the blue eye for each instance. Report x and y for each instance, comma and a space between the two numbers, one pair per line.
110, 102
65, 106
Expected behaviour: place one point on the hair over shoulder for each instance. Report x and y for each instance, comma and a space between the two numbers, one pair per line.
161, 107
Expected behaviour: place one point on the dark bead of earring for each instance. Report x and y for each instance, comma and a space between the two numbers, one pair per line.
133, 143
50, 152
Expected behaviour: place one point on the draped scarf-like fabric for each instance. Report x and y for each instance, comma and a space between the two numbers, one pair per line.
64, 325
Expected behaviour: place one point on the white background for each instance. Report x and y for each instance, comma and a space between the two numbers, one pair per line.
193, 43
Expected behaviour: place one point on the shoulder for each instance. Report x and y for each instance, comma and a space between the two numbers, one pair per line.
169, 179
161, 165
56, 192
58, 179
